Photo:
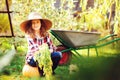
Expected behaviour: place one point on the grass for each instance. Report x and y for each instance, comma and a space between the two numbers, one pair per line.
104, 67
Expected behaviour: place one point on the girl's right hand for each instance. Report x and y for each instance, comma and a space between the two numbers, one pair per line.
29, 58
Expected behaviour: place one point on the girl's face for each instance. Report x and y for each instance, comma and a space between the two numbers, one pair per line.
36, 24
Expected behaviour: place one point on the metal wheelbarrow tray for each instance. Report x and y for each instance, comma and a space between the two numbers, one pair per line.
74, 40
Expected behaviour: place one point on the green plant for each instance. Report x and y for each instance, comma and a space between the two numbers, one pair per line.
44, 60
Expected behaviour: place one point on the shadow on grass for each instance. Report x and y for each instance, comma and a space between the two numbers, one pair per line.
97, 68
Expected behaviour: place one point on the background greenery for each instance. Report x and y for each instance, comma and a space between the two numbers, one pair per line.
88, 19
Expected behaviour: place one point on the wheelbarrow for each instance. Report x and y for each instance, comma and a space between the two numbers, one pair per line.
73, 41
77, 40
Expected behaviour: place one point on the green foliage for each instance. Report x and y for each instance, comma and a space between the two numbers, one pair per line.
16, 65
5, 45
4, 23
2, 2
62, 18
83, 4
89, 22
117, 18
95, 18
43, 58
4, 20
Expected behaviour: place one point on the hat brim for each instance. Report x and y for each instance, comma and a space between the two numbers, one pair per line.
47, 22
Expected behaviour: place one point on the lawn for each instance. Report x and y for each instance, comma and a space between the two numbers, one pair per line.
104, 67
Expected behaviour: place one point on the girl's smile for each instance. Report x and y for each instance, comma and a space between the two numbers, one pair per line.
36, 24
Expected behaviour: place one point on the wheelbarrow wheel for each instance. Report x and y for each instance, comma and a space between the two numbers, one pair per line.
66, 56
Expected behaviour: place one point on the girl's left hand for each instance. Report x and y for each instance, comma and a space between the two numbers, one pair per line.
51, 50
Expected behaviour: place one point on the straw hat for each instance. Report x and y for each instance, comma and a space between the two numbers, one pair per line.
33, 16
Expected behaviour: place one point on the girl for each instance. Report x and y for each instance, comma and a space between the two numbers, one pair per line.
36, 29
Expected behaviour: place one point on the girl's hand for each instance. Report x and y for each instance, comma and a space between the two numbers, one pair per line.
28, 57
51, 50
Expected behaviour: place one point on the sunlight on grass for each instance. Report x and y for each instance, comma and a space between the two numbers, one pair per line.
84, 52
16, 77
5, 77
91, 66
102, 51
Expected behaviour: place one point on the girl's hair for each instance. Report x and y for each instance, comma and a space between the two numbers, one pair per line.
30, 31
